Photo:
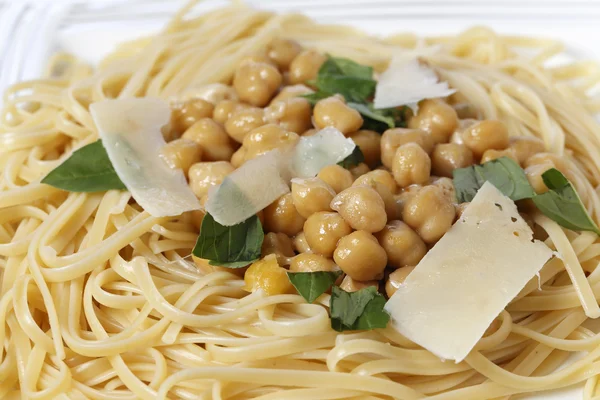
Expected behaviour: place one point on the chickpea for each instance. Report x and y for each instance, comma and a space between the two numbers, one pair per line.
463, 124
544, 158
279, 244
447, 157
205, 268
293, 114
485, 135
396, 279
306, 66
492, 154
411, 165
429, 213
310, 132
181, 154
405, 195
215, 143
337, 177
239, 157
322, 231
526, 146
266, 138
460, 209
437, 118
290, 92
283, 52
401, 244
267, 275
391, 208
378, 175
394, 138
360, 256
260, 57
447, 186
225, 109
362, 207
359, 170
243, 121
534, 175
186, 114
307, 262
282, 216
256, 82
311, 195
334, 112
350, 285
214, 93
466, 110
369, 144
204, 175
300, 243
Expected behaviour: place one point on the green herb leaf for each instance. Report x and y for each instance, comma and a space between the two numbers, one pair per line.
352, 88
355, 158
504, 173
361, 310
313, 98
369, 112
229, 246
562, 203
87, 170
311, 285
345, 66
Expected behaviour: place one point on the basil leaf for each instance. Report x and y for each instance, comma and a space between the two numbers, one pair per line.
345, 66
311, 285
562, 203
355, 158
353, 89
369, 112
357, 310
87, 170
229, 246
504, 173
313, 98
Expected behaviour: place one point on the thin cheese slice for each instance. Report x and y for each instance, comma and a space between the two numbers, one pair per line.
468, 277
130, 133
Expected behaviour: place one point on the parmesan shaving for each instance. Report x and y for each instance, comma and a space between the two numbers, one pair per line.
312, 153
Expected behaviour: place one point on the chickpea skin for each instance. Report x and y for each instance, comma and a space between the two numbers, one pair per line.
437, 118
305, 66
204, 175
350, 285
369, 143
526, 146
322, 231
402, 245
396, 279
256, 82
333, 112
411, 165
215, 143
485, 135
362, 207
429, 213
337, 177
307, 262
311, 195
181, 154
282, 216
394, 138
243, 121
447, 157
293, 114
360, 256
283, 52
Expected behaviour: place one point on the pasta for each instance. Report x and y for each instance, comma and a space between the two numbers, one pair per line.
99, 299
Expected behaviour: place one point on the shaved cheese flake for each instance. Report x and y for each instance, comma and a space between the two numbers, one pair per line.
249, 189
130, 130
406, 82
327, 147
463, 283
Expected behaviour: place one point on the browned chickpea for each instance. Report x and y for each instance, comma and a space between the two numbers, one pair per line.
429, 213
266, 138
332, 111
362, 207
225, 109
447, 157
391, 208
359, 170
411, 165
378, 175
300, 243
394, 138
396, 279
181, 154
402, 245
437, 118
256, 82
290, 92
293, 114
306, 66
526, 146
283, 52
186, 114
447, 186
311, 195
322, 231
279, 244
337, 177
485, 135
360, 256
204, 175
350, 285
492, 154
282, 216
243, 121
215, 143
369, 144
307, 262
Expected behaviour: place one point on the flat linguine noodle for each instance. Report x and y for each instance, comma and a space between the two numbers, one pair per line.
99, 301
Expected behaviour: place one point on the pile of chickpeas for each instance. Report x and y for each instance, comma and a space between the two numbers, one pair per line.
374, 221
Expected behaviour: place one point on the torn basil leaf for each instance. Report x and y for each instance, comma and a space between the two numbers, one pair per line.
345, 67
229, 246
355, 158
562, 203
311, 285
88, 169
360, 310
504, 173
